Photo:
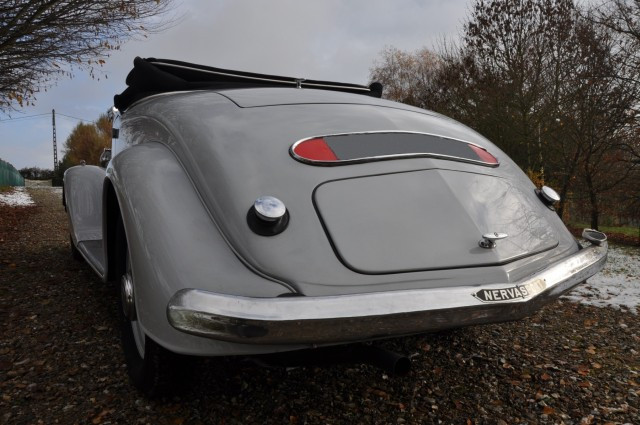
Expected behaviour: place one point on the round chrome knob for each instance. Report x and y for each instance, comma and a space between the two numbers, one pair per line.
269, 208
549, 195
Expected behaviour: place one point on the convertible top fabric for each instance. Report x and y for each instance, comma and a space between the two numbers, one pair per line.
152, 76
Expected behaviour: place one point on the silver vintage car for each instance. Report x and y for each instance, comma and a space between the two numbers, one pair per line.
247, 214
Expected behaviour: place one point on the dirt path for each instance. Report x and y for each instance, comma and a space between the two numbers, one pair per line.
60, 359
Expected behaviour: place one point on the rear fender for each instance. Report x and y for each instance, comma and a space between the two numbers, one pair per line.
173, 243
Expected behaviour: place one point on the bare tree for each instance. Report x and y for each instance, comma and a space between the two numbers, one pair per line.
542, 80
41, 40
407, 77
602, 112
623, 18
517, 48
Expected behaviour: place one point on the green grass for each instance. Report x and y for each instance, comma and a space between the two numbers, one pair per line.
4, 189
625, 230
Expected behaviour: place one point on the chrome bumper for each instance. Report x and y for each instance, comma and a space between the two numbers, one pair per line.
331, 319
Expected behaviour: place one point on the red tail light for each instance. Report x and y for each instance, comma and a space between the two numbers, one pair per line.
315, 150
484, 155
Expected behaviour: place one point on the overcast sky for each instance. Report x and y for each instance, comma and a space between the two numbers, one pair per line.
326, 40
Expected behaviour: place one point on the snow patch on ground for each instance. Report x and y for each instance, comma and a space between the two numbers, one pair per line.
37, 183
54, 189
617, 285
18, 197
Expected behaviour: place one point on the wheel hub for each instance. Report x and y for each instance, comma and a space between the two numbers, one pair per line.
128, 303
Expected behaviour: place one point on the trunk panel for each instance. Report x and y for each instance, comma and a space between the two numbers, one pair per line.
431, 219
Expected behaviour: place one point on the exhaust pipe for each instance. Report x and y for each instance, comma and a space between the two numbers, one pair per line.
390, 362
386, 360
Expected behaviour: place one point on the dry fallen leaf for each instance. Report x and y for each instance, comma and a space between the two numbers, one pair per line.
587, 420
583, 370
98, 419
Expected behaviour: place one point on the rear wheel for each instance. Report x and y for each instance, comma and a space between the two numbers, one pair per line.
154, 370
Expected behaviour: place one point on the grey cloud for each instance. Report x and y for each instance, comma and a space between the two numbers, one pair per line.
332, 40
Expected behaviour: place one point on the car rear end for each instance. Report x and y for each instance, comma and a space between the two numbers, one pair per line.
399, 220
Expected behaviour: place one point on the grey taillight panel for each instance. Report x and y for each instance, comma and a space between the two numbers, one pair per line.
430, 219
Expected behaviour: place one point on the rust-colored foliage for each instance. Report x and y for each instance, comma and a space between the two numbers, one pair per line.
87, 141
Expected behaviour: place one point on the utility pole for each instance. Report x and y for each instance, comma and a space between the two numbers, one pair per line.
55, 145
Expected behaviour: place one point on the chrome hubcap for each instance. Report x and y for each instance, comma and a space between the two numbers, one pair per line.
129, 310
128, 303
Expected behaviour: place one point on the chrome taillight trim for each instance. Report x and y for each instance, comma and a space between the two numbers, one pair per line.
389, 157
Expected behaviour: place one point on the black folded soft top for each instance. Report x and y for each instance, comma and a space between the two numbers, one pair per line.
152, 76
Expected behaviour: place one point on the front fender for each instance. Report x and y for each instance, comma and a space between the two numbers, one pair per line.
174, 244
82, 198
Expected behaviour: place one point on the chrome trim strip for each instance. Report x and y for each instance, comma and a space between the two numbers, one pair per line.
388, 157
345, 318
296, 83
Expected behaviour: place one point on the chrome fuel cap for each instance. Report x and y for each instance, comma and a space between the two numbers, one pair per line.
269, 208
268, 216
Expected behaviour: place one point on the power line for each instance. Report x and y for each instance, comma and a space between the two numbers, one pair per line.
75, 118
24, 117
42, 115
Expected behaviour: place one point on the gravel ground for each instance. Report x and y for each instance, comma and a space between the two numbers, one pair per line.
60, 359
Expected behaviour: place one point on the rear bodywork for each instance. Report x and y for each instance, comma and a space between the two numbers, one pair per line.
373, 248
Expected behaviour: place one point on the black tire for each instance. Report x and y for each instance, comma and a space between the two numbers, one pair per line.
159, 373
75, 254
156, 371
